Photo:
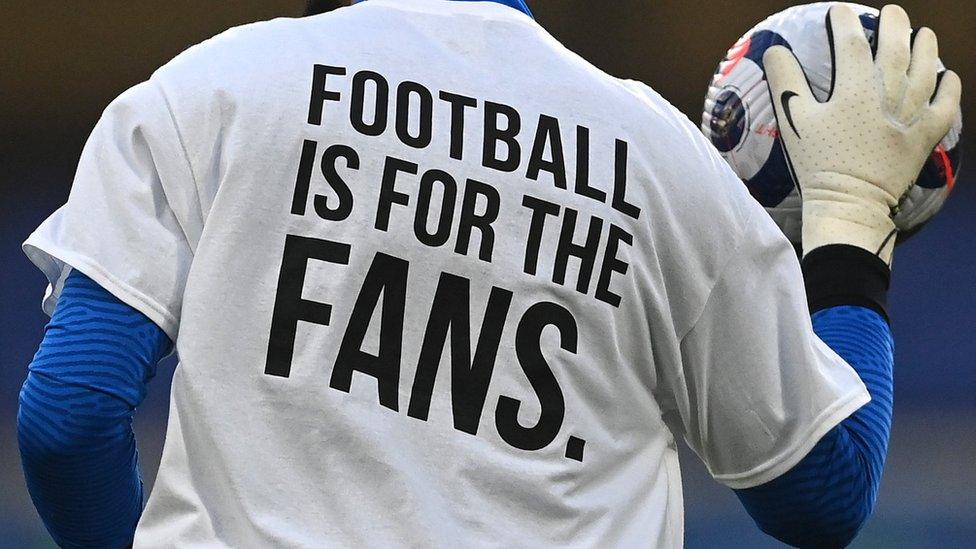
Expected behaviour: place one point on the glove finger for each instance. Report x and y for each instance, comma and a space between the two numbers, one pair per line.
784, 73
788, 85
923, 76
944, 110
894, 40
849, 48
894, 56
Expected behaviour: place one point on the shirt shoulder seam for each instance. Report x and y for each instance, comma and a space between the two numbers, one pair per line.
167, 105
721, 272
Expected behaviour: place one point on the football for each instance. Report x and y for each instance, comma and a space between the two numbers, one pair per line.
739, 119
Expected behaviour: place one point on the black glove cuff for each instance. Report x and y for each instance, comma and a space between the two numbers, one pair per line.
846, 275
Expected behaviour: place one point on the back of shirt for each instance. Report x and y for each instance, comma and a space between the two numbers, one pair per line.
434, 279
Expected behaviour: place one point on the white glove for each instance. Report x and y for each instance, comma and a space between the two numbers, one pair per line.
854, 156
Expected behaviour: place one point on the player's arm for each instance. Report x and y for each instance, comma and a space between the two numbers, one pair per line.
775, 413
828, 496
881, 125
116, 256
74, 424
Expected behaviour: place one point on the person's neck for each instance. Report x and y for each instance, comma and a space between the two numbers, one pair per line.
517, 4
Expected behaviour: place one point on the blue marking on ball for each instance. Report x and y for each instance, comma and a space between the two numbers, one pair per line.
728, 122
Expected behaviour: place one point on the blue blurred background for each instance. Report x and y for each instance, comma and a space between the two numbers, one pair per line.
61, 63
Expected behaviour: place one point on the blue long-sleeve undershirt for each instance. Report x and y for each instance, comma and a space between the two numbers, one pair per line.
826, 498
74, 423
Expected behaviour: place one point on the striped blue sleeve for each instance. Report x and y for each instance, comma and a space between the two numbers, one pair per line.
826, 498
74, 424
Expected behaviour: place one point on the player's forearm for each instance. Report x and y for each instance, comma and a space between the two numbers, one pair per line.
847, 289
80, 465
74, 424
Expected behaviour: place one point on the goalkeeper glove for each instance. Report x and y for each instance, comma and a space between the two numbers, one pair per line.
856, 155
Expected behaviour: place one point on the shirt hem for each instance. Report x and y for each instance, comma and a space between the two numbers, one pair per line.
51, 259
787, 459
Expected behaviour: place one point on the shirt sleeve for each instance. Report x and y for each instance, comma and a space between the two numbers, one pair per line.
757, 388
129, 212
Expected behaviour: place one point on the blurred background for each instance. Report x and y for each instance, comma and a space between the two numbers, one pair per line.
62, 62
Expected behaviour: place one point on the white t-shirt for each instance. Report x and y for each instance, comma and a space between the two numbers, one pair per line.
437, 281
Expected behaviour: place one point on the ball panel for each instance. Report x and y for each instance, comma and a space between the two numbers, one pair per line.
740, 120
